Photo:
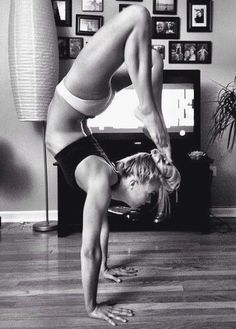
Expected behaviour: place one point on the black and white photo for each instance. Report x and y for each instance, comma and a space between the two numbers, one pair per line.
199, 15
88, 24
118, 164
190, 52
62, 12
63, 47
75, 46
165, 27
92, 5
165, 7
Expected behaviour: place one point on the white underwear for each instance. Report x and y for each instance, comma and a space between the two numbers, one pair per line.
89, 108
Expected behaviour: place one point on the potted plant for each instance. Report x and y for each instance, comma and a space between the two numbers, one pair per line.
225, 115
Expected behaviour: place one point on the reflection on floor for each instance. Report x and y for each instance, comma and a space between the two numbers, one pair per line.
185, 279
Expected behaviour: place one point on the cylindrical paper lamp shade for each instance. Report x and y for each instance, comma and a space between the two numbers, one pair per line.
33, 57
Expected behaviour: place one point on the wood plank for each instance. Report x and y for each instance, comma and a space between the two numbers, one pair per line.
185, 280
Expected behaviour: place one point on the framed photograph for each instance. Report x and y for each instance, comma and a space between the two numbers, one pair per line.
63, 47
92, 5
199, 15
88, 24
123, 6
75, 46
69, 47
190, 52
165, 27
165, 7
161, 49
62, 12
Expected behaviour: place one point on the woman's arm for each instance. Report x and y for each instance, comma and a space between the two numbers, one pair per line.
96, 205
104, 238
113, 273
97, 184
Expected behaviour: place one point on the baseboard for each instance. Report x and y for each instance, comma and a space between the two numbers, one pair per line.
27, 216
39, 215
223, 212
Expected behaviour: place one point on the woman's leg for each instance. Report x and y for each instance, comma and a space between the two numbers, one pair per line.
125, 38
157, 86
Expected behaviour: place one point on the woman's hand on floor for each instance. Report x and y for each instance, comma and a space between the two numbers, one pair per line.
116, 272
111, 313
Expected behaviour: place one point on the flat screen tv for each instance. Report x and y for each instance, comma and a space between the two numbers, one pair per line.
180, 106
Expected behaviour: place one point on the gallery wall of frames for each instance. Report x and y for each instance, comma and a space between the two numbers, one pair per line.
77, 25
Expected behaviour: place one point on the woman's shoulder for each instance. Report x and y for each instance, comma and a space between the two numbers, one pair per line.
94, 170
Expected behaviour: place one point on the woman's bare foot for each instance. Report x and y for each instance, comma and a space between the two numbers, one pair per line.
153, 123
155, 130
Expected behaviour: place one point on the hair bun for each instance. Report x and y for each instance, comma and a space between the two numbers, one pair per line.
169, 174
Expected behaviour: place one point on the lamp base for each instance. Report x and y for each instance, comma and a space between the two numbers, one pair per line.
45, 226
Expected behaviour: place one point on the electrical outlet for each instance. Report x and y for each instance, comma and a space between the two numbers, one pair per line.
214, 171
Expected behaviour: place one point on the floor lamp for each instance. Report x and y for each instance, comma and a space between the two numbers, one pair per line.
34, 65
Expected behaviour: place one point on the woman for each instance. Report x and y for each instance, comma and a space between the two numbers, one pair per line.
192, 57
202, 54
118, 54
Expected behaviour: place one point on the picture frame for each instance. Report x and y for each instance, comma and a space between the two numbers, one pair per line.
123, 6
69, 48
62, 12
199, 15
165, 27
63, 47
161, 49
165, 7
88, 24
75, 46
131, 0
190, 52
92, 5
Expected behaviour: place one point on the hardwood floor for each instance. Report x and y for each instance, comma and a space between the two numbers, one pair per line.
185, 280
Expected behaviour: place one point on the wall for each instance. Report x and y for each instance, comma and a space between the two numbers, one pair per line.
21, 156
21, 148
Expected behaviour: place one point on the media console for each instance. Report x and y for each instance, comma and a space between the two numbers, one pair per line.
190, 208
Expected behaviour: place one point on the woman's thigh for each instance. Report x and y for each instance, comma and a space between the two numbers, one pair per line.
104, 53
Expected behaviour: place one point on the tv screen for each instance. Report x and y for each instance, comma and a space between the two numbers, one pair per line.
177, 107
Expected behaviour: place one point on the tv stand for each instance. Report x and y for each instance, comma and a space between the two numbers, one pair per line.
189, 212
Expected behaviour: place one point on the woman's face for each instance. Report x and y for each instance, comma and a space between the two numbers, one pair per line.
160, 27
199, 13
141, 194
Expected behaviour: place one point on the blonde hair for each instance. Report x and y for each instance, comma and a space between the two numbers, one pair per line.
150, 166
140, 165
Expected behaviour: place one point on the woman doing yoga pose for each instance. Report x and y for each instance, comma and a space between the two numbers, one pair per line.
117, 55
